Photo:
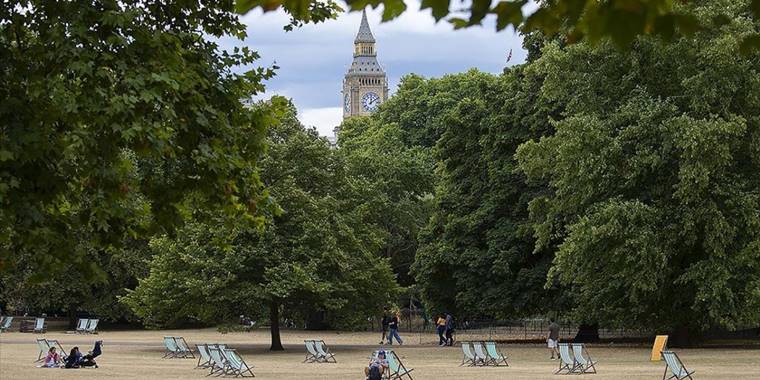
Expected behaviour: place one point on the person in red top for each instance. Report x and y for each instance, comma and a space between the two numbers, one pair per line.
51, 359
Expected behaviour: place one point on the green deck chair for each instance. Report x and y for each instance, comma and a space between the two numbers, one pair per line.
566, 361
494, 355
585, 363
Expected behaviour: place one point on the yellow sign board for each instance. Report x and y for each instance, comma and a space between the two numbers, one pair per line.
660, 342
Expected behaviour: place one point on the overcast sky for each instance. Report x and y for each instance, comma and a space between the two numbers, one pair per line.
314, 58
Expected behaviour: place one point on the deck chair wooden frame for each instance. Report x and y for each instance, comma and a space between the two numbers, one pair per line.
40, 327
495, 357
324, 352
218, 361
236, 366
7, 321
44, 347
396, 368
585, 364
674, 364
92, 326
566, 360
82, 324
184, 348
172, 350
204, 359
468, 357
480, 355
312, 356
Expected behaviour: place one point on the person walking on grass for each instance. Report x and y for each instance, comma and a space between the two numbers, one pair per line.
393, 326
384, 322
440, 325
449, 330
553, 338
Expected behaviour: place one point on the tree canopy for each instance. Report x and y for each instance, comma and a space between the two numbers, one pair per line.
575, 20
653, 177
315, 254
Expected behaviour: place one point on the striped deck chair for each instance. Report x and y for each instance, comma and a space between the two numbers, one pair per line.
480, 355
204, 359
92, 325
39, 326
184, 348
566, 361
469, 357
585, 363
311, 352
674, 366
172, 350
82, 325
494, 355
6, 324
236, 366
218, 361
61, 352
324, 352
397, 370
44, 347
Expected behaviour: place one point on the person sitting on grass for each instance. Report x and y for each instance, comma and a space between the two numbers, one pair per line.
75, 357
51, 359
89, 359
376, 367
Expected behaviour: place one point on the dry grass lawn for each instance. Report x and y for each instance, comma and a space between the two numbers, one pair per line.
137, 355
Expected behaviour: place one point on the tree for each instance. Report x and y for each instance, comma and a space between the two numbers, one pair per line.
618, 20
476, 257
653, 175
399, 181
315, 254
113, 113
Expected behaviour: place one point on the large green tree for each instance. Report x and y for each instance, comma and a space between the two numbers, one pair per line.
112, 113
316, 253
477, 255
654, 173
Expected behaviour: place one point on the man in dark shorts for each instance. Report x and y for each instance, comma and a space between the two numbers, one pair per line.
553, 338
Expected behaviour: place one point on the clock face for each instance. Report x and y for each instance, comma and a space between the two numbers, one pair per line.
370, 101
347, 103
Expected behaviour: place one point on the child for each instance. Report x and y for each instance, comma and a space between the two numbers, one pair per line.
51, 359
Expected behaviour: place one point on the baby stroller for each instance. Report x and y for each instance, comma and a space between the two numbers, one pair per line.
89, 359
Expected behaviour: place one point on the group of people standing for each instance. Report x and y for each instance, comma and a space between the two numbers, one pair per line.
445, 328
390, 327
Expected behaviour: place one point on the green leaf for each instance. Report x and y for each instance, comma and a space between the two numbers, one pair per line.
508, 13
440, 8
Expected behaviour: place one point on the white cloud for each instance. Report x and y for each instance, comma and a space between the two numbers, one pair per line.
324, 119
313, 59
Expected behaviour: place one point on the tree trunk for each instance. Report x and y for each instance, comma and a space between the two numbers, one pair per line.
587, 333
274, 323
684, 336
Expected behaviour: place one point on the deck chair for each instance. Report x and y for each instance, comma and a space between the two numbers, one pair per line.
585, 365
44, 347
674, 366
6, 324
396, 368
184, 348
61, 352
468, 357
218, 363
311, 352
82, 325
480, 356
204, 359
172, 350
39, 326
494, 355
236, 366
324, 352
566, 361
91, 326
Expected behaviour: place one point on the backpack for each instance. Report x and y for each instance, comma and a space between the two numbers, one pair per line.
374, 373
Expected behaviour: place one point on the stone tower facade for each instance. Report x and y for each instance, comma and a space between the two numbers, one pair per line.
365, 86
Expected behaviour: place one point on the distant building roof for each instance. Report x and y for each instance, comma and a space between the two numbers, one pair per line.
364, 35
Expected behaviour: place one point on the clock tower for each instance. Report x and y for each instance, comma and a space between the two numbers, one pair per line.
365, 85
